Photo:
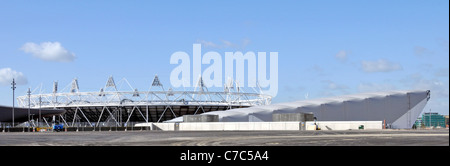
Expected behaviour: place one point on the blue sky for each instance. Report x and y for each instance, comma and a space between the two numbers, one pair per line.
325, 48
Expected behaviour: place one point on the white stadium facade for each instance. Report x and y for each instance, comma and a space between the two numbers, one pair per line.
111, 106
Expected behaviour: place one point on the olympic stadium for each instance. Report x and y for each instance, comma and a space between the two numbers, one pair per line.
111, 106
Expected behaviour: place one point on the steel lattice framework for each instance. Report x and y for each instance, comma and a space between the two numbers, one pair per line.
110, 106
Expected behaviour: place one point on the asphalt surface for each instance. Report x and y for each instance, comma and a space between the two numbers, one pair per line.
230, 138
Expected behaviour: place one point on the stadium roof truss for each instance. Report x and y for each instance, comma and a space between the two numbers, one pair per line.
109, 96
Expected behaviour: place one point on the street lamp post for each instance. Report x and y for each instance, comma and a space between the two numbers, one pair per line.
29, 105
13, 88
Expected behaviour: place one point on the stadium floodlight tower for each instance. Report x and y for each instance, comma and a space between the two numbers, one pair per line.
13, 87
112, 106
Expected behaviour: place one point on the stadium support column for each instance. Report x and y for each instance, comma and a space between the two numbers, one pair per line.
39, 118
29, 105
146, 114
408, 114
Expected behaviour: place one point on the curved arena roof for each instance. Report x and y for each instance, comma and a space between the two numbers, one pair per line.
400, 109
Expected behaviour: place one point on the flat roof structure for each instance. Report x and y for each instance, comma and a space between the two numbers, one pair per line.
21, 113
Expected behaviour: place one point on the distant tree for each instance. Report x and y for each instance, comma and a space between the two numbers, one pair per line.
422, 125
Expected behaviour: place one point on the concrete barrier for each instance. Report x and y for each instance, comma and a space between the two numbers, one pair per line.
223, 126
251, 126
345, 125
200, 118
163, 126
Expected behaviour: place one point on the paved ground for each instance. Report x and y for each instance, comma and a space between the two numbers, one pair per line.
231, 138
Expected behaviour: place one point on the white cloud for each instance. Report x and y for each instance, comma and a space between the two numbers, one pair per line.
7, 75
49, 51
375, 87
332, 89
208, 44
332, 86
225, 44
342, 55
443, 43
380, 66
317, 70
228, 43
439, 87
422, 51
442, 72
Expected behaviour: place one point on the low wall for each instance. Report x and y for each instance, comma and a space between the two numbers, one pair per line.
80, 129
345, 125
251, 126
237, 126
222, 126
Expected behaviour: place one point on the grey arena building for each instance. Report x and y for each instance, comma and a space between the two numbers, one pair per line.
398, 109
